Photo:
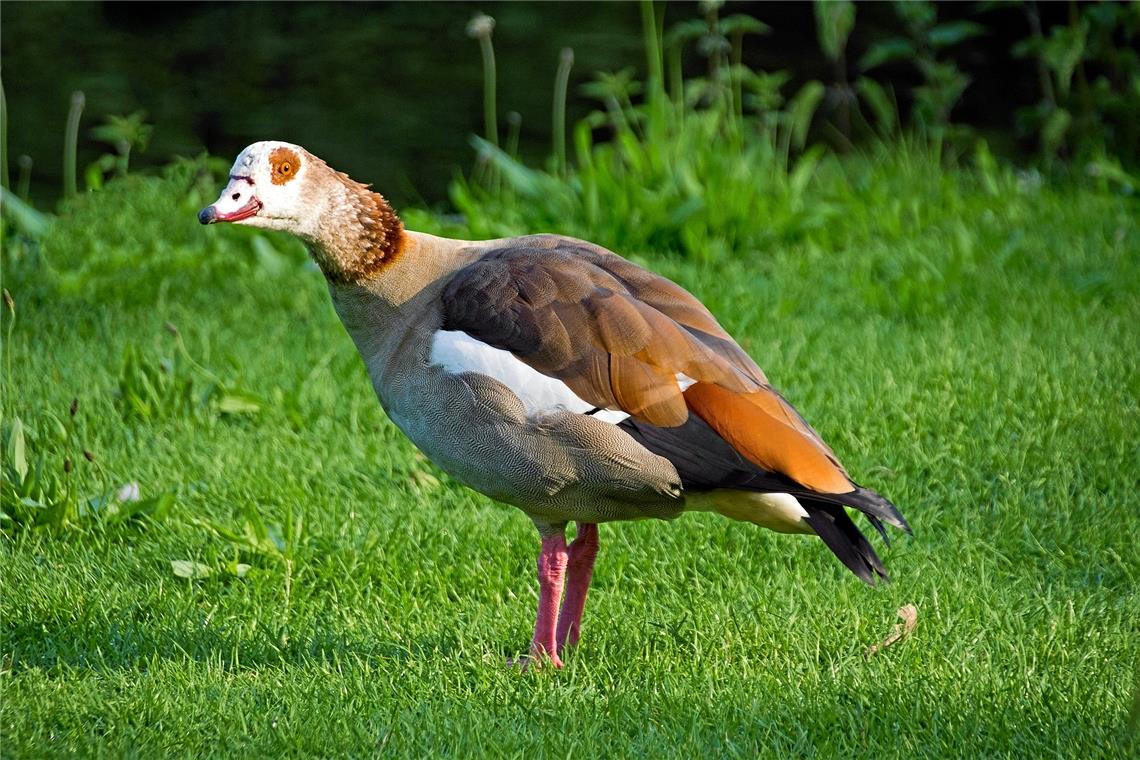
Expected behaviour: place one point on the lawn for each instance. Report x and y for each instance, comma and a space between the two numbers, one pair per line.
964, 337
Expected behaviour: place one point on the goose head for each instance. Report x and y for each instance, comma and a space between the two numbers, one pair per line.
273, 185
352, 232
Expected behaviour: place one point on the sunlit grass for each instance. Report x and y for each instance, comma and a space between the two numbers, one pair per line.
965, 340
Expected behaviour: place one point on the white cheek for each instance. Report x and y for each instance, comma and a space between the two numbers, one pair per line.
279, 200
236, 195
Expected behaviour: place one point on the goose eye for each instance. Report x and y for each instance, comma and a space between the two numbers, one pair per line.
283, 165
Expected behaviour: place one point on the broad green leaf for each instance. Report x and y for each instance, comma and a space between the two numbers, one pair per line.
987, 167
802, 108
1062, 51
880, 103
22, 216
1054, 129
523, 179
155, 507
742, 23
804, 170
220, 530
55, 424
893, 49
93, 177
834, 20
1027, 47
17, 457
185, 568
1110, 169
158, 507
239, 402
918, 14
685, 31
953, 32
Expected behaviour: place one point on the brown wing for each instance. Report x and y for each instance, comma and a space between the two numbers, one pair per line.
618, 336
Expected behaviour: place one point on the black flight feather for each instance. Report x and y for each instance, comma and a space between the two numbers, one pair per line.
706, 461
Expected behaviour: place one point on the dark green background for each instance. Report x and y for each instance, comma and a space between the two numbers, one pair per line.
390, 91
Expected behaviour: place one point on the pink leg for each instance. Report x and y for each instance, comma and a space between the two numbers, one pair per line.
581, 569
551, 573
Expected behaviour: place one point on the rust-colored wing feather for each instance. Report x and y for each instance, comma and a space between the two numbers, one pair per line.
764, 428
619, 335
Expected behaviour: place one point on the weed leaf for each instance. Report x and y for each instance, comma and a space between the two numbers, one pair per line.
185, 568
239, 402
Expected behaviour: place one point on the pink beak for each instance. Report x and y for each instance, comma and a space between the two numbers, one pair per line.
210, 214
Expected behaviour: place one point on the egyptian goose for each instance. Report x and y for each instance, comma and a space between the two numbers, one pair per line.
552, 374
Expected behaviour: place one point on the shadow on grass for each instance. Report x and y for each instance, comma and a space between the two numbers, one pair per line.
133, 645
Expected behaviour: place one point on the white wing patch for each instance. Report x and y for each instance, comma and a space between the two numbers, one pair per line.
456, 351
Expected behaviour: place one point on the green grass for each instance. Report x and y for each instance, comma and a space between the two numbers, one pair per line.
965, 340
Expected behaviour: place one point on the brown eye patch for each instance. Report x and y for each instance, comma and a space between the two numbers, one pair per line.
283, 165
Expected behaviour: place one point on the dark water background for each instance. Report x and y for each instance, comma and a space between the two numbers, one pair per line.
390, 92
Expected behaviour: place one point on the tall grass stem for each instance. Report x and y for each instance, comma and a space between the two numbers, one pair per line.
490, 121
676, 84
9, 315
656, 84
3, 137
24, 183
480, 27
71, 144
652, 43
558, 125
737, 79
514, 129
